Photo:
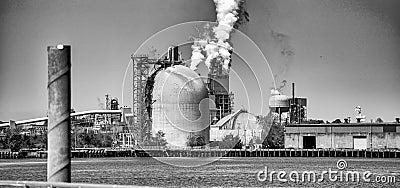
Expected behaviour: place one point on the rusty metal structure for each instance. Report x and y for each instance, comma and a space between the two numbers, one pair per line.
144, 71
141, 69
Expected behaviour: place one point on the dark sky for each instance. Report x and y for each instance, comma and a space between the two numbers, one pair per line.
340, 53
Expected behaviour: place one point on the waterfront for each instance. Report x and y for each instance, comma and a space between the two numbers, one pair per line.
223, 172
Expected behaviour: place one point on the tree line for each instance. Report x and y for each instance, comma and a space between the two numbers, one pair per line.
17, 139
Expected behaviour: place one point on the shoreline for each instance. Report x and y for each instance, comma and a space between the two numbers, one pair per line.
206, 153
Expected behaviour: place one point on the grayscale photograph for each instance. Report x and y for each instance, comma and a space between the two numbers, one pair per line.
199, 93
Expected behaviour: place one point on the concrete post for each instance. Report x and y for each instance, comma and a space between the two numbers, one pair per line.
59, 106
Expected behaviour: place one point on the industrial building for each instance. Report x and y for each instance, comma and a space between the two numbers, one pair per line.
218, 85
182, 104
343, 136
288, 109
169, 97
172, 98
307, 134
177, 101
242, 124
223, 121
301, 133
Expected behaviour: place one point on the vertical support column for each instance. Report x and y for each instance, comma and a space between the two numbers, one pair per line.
59, 106
292, 107
123, 139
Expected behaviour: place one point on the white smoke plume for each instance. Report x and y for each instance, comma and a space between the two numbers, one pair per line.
197, 56
212, 52
218, 46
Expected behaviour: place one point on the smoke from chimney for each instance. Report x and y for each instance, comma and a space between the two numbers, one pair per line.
285, 53
283, 84
197, 56
218, 45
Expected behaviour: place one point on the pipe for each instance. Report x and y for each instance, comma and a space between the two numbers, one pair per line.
292, 105
59, 106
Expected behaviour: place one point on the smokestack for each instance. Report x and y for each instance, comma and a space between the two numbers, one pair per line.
292, 105
175, 53
293, 91
170, 54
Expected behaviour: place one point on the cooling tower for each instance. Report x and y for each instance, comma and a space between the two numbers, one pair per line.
180, 105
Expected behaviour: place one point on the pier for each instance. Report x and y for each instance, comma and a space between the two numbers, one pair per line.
132, 152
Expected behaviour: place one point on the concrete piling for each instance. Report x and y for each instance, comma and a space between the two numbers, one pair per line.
59, 106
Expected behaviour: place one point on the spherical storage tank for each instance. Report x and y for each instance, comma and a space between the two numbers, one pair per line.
180, 107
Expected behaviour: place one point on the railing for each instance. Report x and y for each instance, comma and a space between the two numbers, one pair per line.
211, 152
58, 184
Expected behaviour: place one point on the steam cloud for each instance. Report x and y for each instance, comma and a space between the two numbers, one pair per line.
217, 45
197, 56
278, 90
285, 55
283, 84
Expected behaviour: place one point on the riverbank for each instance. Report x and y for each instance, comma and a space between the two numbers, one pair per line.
131, 152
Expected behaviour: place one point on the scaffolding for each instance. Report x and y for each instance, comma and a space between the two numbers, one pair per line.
218, 84
144, 71
140, 125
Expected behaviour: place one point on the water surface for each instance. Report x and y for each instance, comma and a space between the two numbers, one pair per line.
223, 172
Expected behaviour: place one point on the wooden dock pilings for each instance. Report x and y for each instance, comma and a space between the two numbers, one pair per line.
9, 155
239, 153
127, 152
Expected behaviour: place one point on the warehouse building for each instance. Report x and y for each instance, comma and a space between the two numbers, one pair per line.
242, 124
343, 136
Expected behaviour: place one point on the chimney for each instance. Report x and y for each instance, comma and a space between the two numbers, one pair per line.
175, 53
292, 105
293, 91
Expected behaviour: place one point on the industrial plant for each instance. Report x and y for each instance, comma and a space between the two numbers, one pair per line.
172, 99
182, 104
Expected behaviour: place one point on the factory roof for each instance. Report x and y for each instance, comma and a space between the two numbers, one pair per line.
225, 119
34, 120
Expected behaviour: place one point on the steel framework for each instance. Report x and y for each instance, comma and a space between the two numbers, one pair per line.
141, 121
144, 70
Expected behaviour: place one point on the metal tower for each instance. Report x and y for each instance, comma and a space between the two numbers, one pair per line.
107, 101
144, 70
141, 70
218, 84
